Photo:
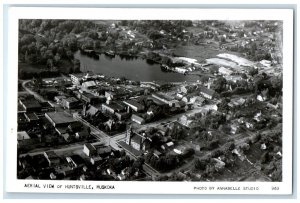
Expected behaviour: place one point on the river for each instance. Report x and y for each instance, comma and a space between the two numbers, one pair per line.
133, 69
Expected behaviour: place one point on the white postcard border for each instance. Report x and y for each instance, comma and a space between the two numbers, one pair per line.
15, 185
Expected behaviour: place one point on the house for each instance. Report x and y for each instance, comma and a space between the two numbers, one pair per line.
236, 102
197, 100
70, 102
89, 149
218, 164
59, 119
167, 145
188, 121
207, 93
138, 119
137, 141
134, 105
52, 158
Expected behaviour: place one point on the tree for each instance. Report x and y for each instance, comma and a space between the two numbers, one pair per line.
219, 84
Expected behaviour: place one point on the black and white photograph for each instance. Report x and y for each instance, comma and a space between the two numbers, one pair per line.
152, 101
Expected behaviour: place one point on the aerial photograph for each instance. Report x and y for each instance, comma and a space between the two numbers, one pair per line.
150, 100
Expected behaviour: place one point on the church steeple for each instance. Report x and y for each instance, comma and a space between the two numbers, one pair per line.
128, 135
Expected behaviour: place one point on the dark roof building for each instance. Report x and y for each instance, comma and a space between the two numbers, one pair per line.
207, 93
30, 104
134, 105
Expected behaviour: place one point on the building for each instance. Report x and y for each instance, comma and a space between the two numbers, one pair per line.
138, 119
24, 140
225, 71
58, 99
113, 107
52, 158
236, 102
89, 149
165, 98
207, 93
30, 104
188, 121
70, 102
137, 141
89, 84
95, 160
59, 119
76, 78
134, 105
75, 161
90, 98
31, 117
104, 151
116, 93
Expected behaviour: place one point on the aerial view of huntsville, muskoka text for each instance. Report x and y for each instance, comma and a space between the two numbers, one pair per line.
150, 100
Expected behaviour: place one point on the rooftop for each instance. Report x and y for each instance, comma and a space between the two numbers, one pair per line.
207, 91
22, 135
70, 99
60, 117
30, 102
134, 103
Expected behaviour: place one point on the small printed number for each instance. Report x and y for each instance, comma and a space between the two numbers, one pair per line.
275, 188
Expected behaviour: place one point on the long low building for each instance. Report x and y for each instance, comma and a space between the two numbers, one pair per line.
59, 119
134, 105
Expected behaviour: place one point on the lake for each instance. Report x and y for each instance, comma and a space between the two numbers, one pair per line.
133, 69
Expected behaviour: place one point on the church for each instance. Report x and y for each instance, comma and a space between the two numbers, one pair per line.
137, 141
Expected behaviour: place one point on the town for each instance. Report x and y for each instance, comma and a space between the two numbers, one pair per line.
217, 117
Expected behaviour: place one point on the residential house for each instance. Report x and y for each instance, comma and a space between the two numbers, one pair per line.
207, 93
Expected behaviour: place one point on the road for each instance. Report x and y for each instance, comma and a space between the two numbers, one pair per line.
102, 136
61, 150
36, 95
